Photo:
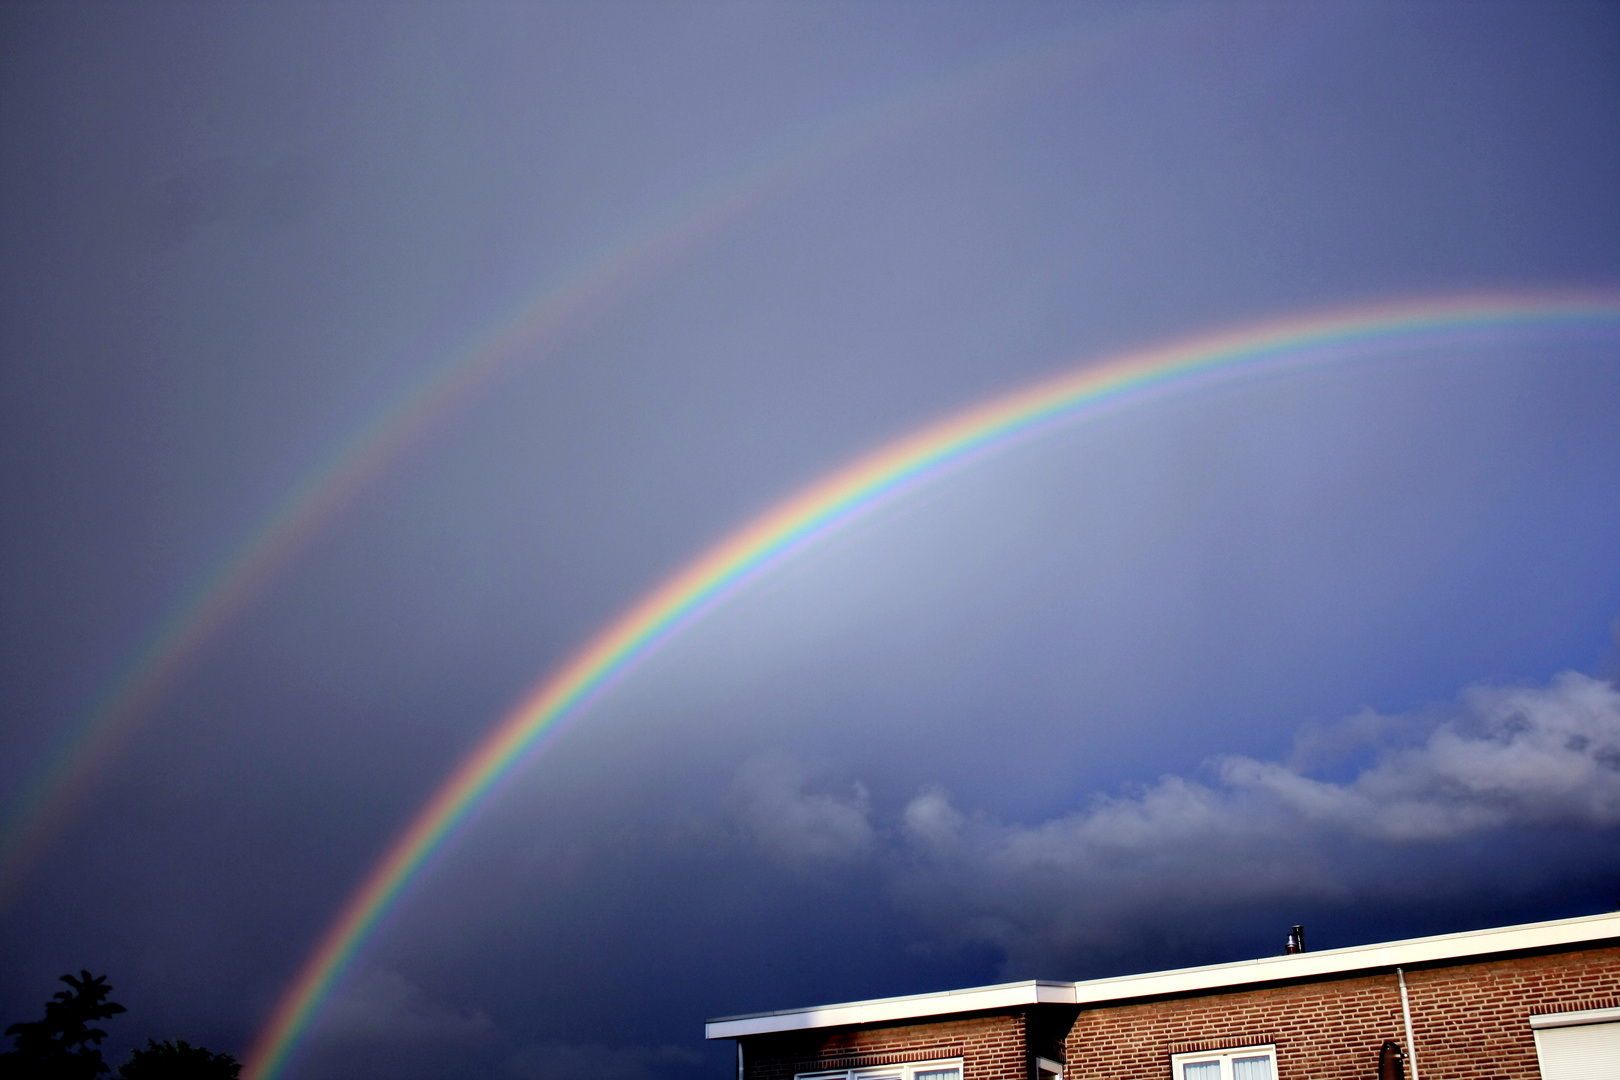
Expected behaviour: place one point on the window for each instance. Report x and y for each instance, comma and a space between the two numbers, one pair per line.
1577, 1045
1239, 1063
948, 1069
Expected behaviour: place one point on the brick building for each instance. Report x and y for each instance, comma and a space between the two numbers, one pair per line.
1513, 1003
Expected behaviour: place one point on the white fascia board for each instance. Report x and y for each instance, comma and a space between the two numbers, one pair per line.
976, 999
1390, 954
1309, 965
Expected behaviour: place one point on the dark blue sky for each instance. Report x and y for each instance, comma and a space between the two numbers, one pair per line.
1330, 647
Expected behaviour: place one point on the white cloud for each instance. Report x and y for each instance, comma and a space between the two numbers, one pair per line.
1515, 756
771, 803
1504, 758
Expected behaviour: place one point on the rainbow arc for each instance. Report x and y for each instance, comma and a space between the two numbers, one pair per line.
851, 493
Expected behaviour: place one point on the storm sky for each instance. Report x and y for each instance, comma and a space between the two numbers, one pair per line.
1332, 647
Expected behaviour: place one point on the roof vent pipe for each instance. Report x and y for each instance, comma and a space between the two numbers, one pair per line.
1296, 940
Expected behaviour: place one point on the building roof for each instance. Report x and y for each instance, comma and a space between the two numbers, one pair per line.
1586, 929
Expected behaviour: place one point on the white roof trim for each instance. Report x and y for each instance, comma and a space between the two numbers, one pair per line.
1586, 928
1005, 996
1571, 1019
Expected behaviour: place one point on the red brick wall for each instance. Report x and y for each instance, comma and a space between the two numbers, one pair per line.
1469, 1021
991, 1048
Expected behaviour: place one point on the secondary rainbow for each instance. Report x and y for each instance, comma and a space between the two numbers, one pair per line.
387, 426
848, 494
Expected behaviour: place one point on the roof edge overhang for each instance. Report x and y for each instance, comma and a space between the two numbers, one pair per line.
879, 1010
1472, 944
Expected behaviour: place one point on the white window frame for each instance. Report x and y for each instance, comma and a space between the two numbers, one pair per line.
1542, 1026
905, 1070
1195, 1057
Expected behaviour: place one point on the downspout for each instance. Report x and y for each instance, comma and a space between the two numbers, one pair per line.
1406, 1013
740, 1058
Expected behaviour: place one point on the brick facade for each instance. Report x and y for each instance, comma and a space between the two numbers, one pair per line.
1470, 1021
989, 1046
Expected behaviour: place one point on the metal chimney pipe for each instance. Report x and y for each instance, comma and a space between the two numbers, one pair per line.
1406, 1014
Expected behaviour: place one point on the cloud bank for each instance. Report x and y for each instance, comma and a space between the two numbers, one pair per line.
1249, 833
771, 802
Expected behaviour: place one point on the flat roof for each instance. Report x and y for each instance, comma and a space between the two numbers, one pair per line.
1577, 931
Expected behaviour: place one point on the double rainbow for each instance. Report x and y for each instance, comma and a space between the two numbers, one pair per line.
851, 493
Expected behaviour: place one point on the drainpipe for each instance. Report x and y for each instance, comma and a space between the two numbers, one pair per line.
740, 1059
1406, 1013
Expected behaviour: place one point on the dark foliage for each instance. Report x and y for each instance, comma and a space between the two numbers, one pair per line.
63, 1045
178, 1060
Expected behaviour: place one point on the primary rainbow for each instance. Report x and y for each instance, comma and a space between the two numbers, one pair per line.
846, 495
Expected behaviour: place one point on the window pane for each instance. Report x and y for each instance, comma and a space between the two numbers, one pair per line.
937, 1074
1251, 1068
1201, 1070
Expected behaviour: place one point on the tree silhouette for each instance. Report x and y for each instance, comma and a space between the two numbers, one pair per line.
178, 1060
63, 1045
